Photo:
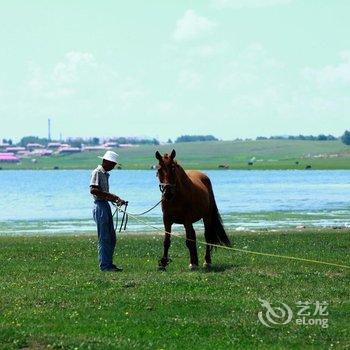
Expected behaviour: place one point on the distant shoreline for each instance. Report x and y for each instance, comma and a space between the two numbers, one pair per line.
200, 235
200, 169
216, 155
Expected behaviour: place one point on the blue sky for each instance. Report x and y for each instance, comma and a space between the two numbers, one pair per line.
232, 68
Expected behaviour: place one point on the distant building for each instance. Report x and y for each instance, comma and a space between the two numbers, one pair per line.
8, 157
94, 148
54, 145
4, 145
15, 149
42, 152
69, 150
111, 144
33, 146
126, 145
24, 153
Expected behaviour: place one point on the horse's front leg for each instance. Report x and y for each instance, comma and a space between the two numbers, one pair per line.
192, 246
164, 261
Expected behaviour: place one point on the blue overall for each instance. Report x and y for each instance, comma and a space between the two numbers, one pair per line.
106, 235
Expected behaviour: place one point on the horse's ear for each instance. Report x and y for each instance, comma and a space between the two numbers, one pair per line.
173, 154
158, 155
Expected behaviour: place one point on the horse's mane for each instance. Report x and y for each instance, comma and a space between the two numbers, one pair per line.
181, 175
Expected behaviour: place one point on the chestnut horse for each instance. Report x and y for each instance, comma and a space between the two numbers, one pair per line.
187, 197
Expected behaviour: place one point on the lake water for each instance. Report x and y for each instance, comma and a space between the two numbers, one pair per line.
58, 201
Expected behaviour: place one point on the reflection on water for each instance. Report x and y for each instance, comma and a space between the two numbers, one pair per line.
35, 202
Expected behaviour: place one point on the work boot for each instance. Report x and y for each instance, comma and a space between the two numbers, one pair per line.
113, 268
116, 268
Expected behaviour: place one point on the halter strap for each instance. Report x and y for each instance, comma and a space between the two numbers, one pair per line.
162, 186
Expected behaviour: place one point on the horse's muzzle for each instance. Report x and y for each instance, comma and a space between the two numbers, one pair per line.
168, 190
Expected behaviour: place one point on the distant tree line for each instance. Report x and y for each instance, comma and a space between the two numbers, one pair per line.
320, 137
9, 141
33, 139
135, 141
78, 141
194, 138
346, 137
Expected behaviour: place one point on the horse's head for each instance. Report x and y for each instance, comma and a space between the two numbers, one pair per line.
167, 174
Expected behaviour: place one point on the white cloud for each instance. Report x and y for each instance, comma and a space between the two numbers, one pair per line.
255, 84
63, 78
67, 70
192, 26
189, 79
78, 75
239, 4
330, 75
251, 69
207, 50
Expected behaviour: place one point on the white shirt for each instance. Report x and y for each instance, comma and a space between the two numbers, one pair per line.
99, 178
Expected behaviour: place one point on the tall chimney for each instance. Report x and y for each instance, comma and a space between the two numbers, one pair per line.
49, 129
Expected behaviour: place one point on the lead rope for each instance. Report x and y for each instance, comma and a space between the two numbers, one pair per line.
147, 211
125, 218
237, 249
116, 212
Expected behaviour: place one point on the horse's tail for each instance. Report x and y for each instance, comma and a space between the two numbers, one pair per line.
215, 232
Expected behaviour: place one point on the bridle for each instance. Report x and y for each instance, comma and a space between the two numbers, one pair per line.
163, 186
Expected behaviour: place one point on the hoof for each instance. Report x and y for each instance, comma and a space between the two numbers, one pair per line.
193, 267
163, 263
207, 266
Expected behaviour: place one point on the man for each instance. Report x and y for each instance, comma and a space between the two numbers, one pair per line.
102, 213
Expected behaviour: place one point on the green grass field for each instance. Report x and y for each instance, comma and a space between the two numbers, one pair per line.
269, 154
52, 295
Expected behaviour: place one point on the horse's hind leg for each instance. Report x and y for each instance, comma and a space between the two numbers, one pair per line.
164, 261
208, 248
192, 246
207, 258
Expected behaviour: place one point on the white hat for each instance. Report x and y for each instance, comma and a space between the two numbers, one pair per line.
111, 156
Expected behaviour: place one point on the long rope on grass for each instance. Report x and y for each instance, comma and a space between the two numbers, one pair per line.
236, 249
